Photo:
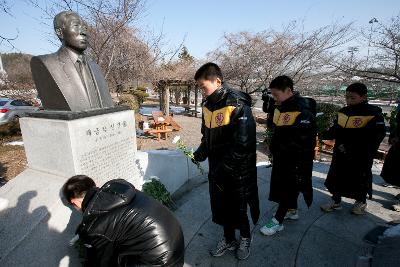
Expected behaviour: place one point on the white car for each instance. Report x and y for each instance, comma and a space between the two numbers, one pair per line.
12, 109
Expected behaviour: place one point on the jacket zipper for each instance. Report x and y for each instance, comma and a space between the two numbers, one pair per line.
212, 113
209, 139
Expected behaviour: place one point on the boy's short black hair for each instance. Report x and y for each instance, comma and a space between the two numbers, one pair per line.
358, 88
281, 83
209, 71
77, 186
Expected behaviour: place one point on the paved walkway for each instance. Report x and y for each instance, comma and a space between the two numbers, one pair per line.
317, 239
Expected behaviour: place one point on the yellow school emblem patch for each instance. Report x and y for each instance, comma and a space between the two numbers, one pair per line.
357, 122
285, 118
219, 118
353, 122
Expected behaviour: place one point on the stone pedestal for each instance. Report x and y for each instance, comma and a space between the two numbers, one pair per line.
35, 225
101, 146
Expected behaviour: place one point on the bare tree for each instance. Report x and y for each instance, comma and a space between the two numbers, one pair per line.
133, 60
6, 9
107, 19
176, 77
250, 61
383, 60
18, 70
125, 53
181, 69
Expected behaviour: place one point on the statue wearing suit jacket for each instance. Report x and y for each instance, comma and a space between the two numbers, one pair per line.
68, 79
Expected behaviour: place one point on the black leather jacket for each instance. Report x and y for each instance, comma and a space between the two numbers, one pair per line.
359, 129
228, 128
358, 132
124, 227
292, 147
229, 143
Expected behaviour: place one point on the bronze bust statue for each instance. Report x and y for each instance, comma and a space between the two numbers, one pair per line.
68, 79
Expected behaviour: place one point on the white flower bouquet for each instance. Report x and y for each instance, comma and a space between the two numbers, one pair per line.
188, 152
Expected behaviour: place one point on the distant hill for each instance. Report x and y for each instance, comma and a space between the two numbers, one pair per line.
17, 67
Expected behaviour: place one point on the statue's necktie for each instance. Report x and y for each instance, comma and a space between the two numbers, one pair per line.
88, 82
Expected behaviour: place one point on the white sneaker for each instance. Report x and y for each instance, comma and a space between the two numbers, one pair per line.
292, 214
331, 206
359, 208
396, 207
271, 228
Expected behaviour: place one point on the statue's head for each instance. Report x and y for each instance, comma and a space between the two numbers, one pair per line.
71, 30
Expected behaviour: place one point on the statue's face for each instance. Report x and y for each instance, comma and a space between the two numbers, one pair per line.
74, 33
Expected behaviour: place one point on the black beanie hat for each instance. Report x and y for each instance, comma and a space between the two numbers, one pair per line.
358, 88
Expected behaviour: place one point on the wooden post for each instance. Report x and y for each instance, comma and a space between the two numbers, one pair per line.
316, 149
166, 101
177, 94
161, 98
188, 96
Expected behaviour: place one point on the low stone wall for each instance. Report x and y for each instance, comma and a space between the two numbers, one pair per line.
172, 167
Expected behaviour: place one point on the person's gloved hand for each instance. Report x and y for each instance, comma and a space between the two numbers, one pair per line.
195, 157
198, 157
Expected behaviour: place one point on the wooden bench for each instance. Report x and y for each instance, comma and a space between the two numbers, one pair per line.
156, 115
328, 145
173, 123
159, 132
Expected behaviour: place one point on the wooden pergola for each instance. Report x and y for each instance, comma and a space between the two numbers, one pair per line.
164, 87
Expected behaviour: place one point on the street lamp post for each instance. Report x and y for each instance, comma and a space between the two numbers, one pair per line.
352, 50
372, 21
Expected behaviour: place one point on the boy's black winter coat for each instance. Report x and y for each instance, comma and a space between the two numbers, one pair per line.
229, 143
292, 148
123, 227
359, 130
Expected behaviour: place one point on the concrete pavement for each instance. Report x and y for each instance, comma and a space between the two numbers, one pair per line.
35, 235
317, 239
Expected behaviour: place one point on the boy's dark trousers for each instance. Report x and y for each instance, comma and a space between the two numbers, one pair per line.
229, 231
285, 205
